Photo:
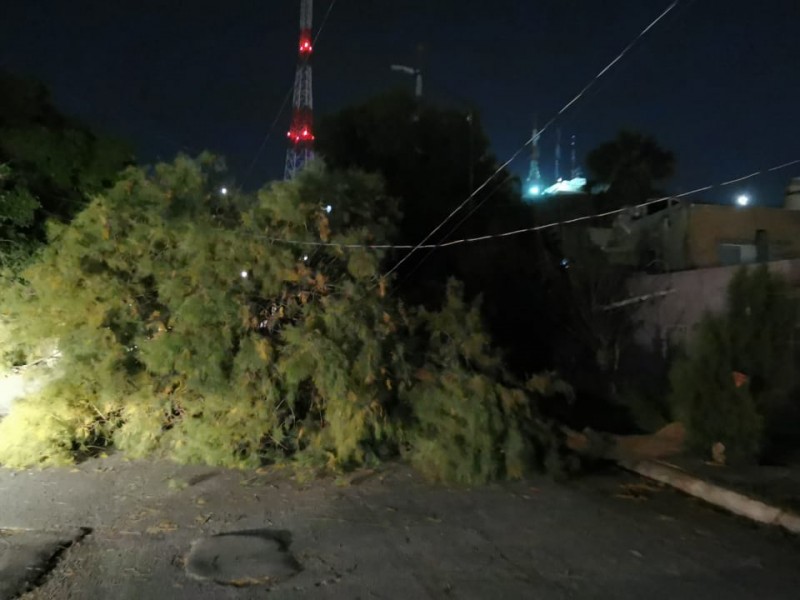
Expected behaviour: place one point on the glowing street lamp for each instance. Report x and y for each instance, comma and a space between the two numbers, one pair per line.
743, 200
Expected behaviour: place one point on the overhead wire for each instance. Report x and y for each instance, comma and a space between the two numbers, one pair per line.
610, 65
453, 229
566, 107
515, 232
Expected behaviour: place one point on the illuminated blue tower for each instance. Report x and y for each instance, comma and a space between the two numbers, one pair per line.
534, 185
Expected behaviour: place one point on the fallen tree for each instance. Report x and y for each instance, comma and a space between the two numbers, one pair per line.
240, 330
666, 442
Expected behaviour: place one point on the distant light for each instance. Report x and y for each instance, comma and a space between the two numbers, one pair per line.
743, 200
224, 191
244, 275
533, 190
328, 209
305, 258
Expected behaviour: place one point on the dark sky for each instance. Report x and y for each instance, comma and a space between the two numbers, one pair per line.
717, 82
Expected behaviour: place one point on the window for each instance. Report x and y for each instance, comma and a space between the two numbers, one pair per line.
737, 254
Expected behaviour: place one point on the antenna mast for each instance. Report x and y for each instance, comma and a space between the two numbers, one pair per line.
301, 132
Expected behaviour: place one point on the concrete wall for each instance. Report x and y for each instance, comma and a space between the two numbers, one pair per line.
690, 236
687, 296
712, 225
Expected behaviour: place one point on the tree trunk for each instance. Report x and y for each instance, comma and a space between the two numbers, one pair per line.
666, 442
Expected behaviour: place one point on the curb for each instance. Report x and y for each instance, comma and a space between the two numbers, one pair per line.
733, 502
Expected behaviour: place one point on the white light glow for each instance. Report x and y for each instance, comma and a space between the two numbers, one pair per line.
328, 209
223, 191
570, 186
533, 190
244, 274
305, 258
743, 200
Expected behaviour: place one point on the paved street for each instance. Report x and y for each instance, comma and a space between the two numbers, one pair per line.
386, 535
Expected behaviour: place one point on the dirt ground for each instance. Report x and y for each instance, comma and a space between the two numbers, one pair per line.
388, 534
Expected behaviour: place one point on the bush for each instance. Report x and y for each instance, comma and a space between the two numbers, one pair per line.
187, 331
754, 337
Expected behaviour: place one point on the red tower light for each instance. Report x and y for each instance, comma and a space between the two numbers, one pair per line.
301, 136
306, 46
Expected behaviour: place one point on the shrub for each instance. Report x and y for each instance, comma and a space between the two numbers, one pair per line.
754, 337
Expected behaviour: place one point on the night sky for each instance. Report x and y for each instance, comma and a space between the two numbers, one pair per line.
717, 81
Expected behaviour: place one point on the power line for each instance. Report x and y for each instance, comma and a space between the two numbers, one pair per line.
324, 21
530, 141
515, 232
608, 67
453, 229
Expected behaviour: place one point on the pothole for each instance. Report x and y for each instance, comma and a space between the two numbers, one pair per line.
26, 557
243, 558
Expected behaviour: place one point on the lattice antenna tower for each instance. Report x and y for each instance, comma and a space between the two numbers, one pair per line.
301, 132
534, 185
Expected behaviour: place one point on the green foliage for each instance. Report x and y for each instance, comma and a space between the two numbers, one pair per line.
49, 165
188, 331
432, 158
754, 336
470, 425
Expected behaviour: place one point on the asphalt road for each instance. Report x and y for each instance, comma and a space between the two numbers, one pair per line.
389, 534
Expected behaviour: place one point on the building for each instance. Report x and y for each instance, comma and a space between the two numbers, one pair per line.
672, 304
685, 236
687, 254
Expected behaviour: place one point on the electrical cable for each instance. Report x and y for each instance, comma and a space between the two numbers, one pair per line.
515, 232
531, 140
456, 226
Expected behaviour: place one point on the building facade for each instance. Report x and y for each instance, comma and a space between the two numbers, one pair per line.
686, 236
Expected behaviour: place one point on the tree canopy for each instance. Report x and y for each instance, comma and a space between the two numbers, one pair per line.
49, 163
633, 166
754, 338
429, 155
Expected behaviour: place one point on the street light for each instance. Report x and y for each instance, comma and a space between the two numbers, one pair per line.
743, 200
223, 191
417, 73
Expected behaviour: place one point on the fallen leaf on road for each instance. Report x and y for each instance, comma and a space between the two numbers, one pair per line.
636, 491
163, 527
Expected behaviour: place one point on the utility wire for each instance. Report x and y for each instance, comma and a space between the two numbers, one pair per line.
608, 67
588, 86
453, 229
285, 102
515, 232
